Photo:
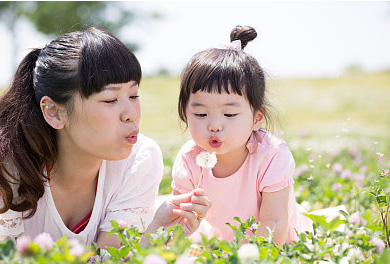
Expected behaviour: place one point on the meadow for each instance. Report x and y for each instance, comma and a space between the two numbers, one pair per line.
314, 116
338, 131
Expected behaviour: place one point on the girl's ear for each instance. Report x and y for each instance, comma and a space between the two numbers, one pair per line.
258, 120
50, 111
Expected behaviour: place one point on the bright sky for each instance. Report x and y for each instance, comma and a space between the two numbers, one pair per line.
305, 39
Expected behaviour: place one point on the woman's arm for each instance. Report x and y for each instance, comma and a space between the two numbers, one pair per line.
181, 209
274, 214
111, 241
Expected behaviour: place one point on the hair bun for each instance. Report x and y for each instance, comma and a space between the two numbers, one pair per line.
243, 33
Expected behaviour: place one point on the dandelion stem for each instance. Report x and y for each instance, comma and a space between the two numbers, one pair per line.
200, 178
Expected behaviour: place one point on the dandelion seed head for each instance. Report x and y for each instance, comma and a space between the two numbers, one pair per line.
206, 159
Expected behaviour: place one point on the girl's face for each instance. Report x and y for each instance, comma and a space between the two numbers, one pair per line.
105, 125
221, 123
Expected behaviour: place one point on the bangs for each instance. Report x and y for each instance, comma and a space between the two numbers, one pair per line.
105, 60
216, 73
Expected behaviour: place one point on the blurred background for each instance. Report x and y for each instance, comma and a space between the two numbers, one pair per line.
328, 63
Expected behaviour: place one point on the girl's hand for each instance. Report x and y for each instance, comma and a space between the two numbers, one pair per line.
188, 210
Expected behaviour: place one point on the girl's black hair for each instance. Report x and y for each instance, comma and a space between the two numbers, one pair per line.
224, 70
78, 62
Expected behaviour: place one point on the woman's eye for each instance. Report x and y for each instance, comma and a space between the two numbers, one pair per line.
110, 101
200, 115
230, 115
134, 97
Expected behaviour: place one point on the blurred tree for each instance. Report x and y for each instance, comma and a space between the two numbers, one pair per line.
54, 18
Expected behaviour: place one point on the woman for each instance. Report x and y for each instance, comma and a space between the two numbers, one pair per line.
72, 158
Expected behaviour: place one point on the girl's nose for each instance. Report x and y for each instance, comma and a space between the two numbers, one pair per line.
215, 126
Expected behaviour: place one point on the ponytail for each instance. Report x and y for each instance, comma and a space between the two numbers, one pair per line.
27, 142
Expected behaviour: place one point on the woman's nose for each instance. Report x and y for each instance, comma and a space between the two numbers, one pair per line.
129, 113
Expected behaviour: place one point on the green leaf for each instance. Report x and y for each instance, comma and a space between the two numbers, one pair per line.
114, 252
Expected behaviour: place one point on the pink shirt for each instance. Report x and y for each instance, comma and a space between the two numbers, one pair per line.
269, 167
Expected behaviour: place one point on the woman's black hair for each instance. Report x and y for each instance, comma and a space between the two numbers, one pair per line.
80, 62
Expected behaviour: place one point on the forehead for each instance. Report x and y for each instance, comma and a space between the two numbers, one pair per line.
215, 99
118, 86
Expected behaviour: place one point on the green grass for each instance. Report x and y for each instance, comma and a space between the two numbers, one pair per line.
323, 115
352, 105
320, 114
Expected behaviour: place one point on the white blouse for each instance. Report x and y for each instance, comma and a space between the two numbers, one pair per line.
126, 190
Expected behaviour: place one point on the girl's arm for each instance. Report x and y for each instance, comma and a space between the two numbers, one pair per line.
182, 209
274, 214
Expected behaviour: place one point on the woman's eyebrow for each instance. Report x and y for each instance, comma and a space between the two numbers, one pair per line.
118, 86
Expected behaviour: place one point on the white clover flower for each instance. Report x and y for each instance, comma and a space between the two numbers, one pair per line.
355, 254
206, 159
344, 260
248, 252
185, 259
154, 259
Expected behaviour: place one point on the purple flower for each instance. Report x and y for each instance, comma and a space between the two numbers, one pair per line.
121, 223
336, 186
44, 241
346, 174
337, 167
356, 219
95, 258
386, 173
76, 248
378, 243
23, 244
364, 168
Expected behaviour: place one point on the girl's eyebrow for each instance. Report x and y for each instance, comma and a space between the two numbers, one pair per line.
196, 104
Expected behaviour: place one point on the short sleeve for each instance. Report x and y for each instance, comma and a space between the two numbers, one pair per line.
11, 222
182, 179
133, 202
279, 172
11, 225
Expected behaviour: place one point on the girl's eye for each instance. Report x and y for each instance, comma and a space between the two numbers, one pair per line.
134, 97
230, 115
110, 101
200, 115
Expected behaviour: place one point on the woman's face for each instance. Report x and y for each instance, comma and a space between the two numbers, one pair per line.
104, 126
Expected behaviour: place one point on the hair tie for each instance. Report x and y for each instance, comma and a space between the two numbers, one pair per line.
234, 45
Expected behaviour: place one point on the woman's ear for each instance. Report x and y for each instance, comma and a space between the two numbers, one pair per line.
50, 111
258, 120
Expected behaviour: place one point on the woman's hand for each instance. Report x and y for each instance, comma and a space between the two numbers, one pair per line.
188, 210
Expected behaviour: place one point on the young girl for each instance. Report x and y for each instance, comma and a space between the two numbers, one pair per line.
72, 158
222, 101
